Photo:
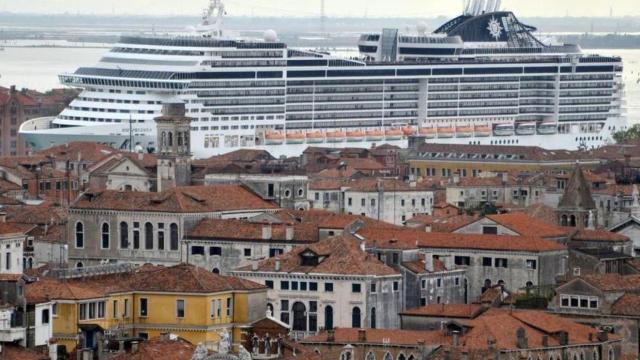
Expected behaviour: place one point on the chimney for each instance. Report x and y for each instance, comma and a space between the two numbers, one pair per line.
134, 347
12, 88
362, 335
140, 156
456, 338
603, 336
266, 232
277, 265
254, 266
164, 336
505, 177
563, 338
521, 339
288, 232
3, 216
428, 262
413, 184
331, 335
456, 178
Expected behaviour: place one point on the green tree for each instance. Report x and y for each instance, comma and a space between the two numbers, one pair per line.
631, 134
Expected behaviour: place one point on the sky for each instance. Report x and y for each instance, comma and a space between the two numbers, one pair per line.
358, 8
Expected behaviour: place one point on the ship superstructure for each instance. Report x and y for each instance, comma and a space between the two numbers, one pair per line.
481, 78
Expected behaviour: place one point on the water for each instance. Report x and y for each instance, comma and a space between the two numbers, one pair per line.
38, 68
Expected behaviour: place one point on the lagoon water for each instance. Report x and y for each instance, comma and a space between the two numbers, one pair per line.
38, 68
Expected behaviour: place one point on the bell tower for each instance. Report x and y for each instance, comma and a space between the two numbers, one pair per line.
174, 146
577, 208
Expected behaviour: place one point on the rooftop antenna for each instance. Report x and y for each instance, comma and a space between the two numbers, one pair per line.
212, 16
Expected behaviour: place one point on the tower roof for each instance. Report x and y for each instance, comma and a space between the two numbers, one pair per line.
577, 193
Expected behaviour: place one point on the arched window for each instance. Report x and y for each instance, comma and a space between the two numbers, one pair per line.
299, 317
328, 317
612, 355
355, 318
124, 235
371, 356
105, 236
148, 236
412, 357
270, 309
179, 138
170, 139
529, 284
402, 357
163, 141
174, 236
215, 271
30, 263
596, 354
388, 356
572, 221
373, 318
79, 235
79, 265
563, 220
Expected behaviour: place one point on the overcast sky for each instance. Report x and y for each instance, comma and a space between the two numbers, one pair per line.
373, 8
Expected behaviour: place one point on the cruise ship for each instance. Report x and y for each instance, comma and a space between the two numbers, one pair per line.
481, 78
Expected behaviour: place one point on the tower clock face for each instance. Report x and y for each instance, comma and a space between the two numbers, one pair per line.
495, 29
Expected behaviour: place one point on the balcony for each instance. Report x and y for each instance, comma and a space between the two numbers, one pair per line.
12, 326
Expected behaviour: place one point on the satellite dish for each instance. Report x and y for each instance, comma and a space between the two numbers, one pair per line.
270, 36
421, 27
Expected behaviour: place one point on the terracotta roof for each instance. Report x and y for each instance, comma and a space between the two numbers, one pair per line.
522, 153
338, 172
188, 199
411, 239
525, 225
158, 349
243, 155
380, 336
614, 282
372, 184
418, 266
327, 220
239, 230
13, 229
45, 213
336, 255
442, 224
364, 164
188, 278
500, 325
327, 184
598, 235
628, 305
79, 150
541, 212
16, 352
182, 278
467, 311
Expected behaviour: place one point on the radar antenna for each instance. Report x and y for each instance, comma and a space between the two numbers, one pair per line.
211, 25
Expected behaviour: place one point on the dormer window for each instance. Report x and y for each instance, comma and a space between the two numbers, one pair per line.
309, 258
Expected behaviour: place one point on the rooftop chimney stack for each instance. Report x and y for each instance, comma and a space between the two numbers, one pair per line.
277, 266
289, 231
267, 232
428, 262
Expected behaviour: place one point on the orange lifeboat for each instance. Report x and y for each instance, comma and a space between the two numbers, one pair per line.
375, 135
336, 136
464, 131
408, 130
427, 132
446, 132
274, 137
355, 135
315, 137
295, 137
482, 130
394, 134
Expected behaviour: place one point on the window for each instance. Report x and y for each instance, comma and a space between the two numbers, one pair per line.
373, 202
355, 317
373, 288
79, 235
197, 250
328, 287
7, 261
83, 312
125, 311
294, 285
362, 202
105, 236
101, 309
350, 201
54, 309
229, 307
174, 236
143, 307
356, 288
115, 309
148, 236
423, 283
284, 285
501, 262
532, 264
402, 202
268, 283
492, 230
284, 311
215, 306
439, 282
45, 316
313, 286
124, 235
396, 286
215, 251
180, 308
160, 239
462, 260
487, 261
136, 235
247, 252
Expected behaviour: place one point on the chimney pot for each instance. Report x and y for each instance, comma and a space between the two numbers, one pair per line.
289, 231
3, 216
456, 338
362, 335
277, 265
134, 347
428, 262
267, 232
